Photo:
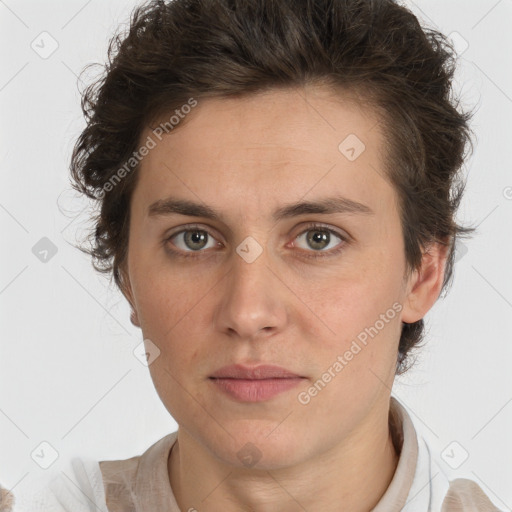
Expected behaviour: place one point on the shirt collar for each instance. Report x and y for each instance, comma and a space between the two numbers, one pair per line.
410, 489
406, 444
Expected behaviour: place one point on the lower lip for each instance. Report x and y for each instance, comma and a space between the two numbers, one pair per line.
255, 390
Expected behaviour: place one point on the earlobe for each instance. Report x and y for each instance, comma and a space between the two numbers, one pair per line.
126, 290
134, 318
425, 283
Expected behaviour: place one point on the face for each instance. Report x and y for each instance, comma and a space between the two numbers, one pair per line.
299, 288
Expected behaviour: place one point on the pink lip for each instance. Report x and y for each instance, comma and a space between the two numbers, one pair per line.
257, 390
254, 384
263, 371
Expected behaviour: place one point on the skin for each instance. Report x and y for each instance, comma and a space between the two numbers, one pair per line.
246, 157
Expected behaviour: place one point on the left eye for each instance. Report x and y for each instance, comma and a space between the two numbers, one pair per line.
319, 238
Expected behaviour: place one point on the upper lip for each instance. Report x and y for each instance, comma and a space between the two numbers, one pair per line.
264, 371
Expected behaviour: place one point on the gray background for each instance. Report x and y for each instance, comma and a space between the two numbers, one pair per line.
68, 375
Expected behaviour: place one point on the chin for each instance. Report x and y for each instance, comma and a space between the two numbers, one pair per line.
257, 449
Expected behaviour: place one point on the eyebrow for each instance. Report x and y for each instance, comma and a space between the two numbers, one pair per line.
327, 205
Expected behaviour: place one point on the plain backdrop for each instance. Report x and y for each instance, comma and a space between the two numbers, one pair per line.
68, 375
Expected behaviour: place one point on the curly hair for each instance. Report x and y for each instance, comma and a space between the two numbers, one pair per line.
377, 49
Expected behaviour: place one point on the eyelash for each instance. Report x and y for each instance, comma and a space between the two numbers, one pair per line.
309, 227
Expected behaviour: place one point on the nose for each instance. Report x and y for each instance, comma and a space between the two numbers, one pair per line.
252, 300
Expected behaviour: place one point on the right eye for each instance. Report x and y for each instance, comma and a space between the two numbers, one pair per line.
192, 240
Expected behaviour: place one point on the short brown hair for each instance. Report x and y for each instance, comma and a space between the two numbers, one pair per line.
223, 48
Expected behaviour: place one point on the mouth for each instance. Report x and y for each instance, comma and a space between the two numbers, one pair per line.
254, 384
263, 371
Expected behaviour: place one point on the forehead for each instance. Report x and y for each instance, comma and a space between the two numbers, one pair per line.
268, 147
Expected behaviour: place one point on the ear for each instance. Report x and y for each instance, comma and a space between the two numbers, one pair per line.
126, 290
424, 284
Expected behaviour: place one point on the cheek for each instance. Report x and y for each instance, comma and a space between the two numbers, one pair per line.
362, 312
173, 322
347, 305
175, 309
165, 292
358, 362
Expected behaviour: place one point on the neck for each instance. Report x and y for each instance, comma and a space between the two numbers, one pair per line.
352, 476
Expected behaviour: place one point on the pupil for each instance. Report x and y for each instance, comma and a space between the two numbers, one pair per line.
195, 237
317, 238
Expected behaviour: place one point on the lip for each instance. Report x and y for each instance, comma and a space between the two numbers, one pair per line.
254, 384
262, 371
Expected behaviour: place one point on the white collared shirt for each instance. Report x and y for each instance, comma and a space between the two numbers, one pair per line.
141, 483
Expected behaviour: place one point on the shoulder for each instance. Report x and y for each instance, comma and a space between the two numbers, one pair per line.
76, 487
119, 478
6, 500
449, 491
86, 485
130, 483
433, 486
466, 496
